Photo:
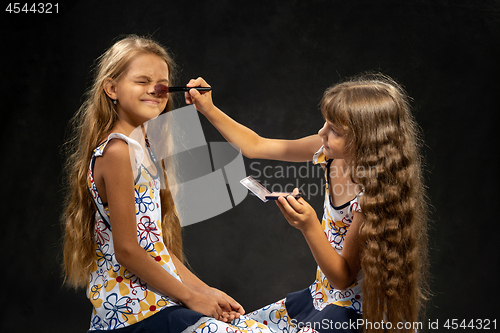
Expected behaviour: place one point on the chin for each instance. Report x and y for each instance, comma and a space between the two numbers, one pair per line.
332, 156
327, 153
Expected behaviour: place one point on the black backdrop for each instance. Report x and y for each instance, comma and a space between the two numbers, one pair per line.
269, 62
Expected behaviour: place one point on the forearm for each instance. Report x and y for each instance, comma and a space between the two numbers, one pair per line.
139, 262
158, 278
333, 265
253, 145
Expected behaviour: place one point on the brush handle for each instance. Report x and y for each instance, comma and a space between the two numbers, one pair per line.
177, 89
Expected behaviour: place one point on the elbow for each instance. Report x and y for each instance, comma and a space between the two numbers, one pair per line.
124, 254
121, 257
248, 153
344, 284
255, 148
341, 282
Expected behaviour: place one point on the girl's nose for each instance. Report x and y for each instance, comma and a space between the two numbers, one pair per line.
151, 90
321, 131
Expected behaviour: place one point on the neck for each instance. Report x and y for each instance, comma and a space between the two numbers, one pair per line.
125, 128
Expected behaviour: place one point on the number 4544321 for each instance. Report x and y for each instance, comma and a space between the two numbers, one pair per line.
479, 324
32, 8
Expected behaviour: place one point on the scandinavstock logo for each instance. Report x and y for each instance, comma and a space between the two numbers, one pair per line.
204, 177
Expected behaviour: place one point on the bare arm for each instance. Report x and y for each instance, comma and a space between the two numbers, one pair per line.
118, 181
251, 144
340, 270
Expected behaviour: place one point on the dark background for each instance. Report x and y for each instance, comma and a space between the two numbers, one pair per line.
269, 63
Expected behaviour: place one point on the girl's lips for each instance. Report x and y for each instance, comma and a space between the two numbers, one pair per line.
150, 101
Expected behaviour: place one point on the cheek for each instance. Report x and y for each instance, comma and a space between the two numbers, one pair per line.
131, 94
163, 105
344, 147
332, 139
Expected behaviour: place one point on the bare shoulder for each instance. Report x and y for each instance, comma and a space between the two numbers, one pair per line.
115, 158
117, 150
113, 167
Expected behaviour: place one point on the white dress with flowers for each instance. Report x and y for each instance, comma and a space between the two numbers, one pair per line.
321, 307
120, 298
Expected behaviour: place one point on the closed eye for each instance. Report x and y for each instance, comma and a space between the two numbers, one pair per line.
142, 79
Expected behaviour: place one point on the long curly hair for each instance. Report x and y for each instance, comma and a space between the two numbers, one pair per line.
93, 121
382, 139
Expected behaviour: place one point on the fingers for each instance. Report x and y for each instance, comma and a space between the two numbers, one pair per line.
201, 100
213, 307
290, 205
224, 304
299, 205
219, 313
234, 305
240, 310
199, 82
288, 212
187, 98
208, 305
187, 95
280, 206
228, 316
225, 317
192, 94
295, 211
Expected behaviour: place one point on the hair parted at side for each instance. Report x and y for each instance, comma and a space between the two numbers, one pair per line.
90, 126
382, 137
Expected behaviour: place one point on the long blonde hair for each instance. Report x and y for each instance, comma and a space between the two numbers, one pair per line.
382, 138
93, 121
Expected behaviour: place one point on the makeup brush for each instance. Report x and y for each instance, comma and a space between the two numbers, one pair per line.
161, 89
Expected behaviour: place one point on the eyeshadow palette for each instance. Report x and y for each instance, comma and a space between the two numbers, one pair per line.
260, 191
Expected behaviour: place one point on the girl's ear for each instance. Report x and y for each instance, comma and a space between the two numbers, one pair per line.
109, 87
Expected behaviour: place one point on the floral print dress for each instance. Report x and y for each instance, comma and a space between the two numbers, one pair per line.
321, 307
120, 299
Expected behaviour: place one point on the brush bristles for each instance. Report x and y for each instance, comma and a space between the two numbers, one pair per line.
161, 89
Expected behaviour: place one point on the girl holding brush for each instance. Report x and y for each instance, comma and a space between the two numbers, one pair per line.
370, 245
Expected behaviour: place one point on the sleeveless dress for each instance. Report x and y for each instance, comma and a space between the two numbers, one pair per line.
121, 300
321, 307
